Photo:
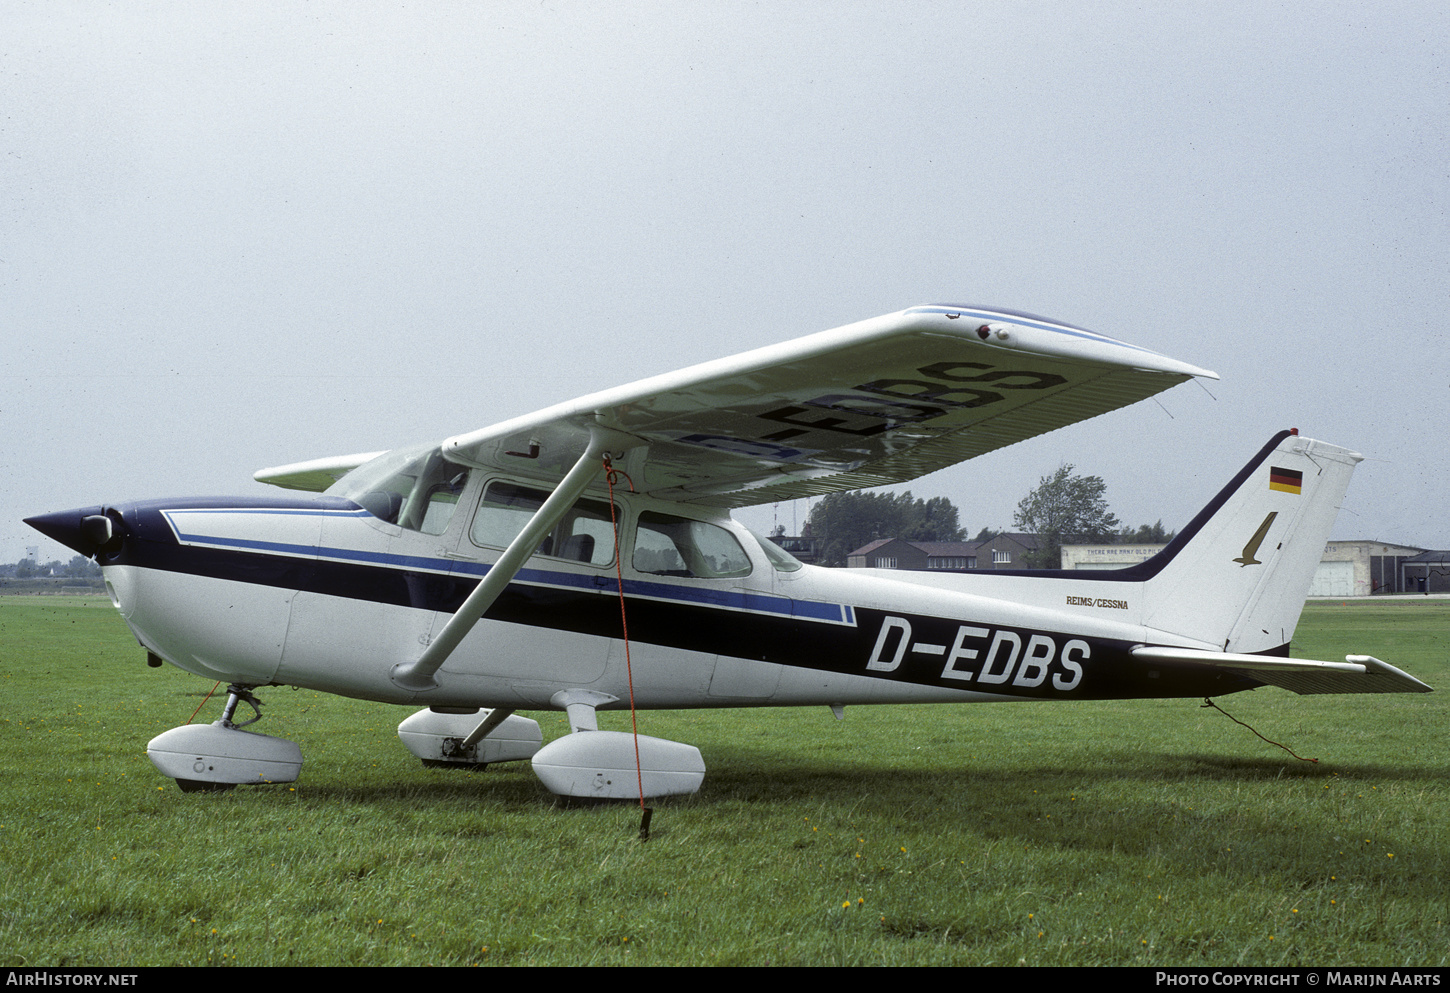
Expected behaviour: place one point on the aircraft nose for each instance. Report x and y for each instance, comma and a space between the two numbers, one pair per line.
88, 530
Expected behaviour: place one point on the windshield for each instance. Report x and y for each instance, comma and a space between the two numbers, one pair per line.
414, 488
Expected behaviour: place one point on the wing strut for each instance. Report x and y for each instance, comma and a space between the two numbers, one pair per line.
418, 675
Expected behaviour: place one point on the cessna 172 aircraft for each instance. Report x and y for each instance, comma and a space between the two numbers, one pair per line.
486, 574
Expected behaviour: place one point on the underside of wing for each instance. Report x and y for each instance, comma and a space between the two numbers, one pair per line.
1356, 674
874, 403
315, 475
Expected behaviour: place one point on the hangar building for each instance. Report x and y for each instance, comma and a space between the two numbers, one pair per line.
1362, 568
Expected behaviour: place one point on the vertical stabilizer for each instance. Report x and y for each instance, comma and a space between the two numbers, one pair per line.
1237, 576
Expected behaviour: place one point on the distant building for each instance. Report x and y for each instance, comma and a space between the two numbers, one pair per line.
1005, 551
1362, 568
1348, 568
898, 553
1428, 572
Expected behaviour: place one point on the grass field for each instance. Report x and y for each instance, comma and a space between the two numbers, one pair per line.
1148, 832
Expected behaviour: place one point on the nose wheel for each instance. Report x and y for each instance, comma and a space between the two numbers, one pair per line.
211, 758
198, 786
235, 694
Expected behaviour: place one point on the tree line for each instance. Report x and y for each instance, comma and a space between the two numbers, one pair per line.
79, 567
1064, 508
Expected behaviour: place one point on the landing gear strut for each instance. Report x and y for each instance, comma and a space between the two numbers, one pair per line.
238, 694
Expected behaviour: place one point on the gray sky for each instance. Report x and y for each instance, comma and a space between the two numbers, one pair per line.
235, 236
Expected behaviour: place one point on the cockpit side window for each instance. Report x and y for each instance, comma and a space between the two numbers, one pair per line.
665, 545
584, 535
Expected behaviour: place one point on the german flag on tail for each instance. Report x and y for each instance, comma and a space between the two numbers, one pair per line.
1286, 480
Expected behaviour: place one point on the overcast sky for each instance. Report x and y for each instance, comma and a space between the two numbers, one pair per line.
239, 235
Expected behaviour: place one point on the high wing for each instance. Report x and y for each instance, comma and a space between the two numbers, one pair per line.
878, 402
316, 474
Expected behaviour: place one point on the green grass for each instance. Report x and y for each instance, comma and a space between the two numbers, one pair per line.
1146, 832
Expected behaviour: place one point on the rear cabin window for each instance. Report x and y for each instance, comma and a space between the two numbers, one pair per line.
781, 560
584, 535
677, 546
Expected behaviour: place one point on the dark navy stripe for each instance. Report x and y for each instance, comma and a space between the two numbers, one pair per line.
733, 599
583, 608
1148, 568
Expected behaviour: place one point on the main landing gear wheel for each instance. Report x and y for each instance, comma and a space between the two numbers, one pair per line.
469, 738
465, 766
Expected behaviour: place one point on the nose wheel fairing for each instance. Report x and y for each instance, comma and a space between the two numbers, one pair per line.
221, 755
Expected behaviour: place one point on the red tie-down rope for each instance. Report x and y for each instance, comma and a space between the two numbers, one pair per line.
203, 702
612, 475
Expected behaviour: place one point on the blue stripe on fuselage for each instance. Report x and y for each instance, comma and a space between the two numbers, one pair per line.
738, 600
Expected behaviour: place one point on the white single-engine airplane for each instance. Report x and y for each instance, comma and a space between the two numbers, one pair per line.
483, 575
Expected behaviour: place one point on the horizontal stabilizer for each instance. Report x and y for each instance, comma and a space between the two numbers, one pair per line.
1356, 674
